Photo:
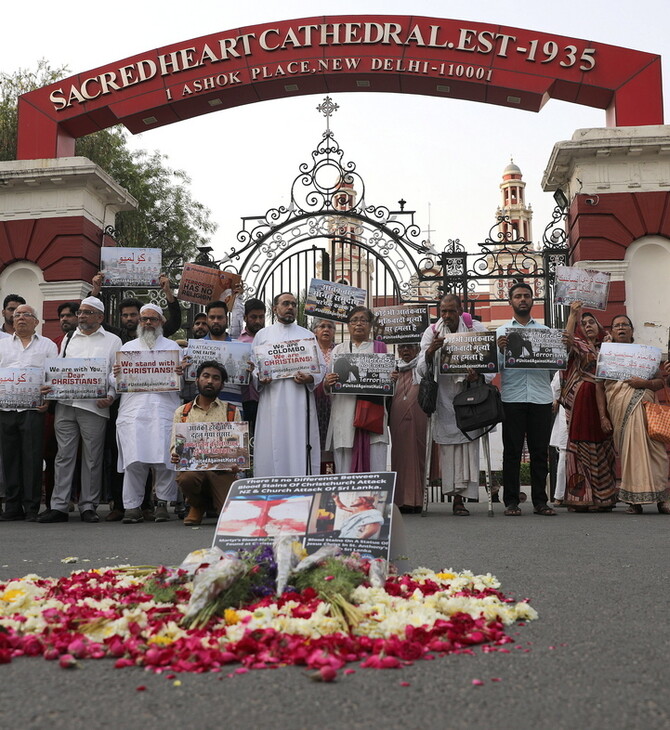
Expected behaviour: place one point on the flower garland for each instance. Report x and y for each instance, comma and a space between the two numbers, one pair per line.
138, 618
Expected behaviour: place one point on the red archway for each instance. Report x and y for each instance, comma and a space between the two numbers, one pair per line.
403, 54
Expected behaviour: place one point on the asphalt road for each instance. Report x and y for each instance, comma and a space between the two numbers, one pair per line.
596, 658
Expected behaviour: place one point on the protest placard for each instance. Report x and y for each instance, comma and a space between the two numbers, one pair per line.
353, 511
329, 300
285, 359
463, 351
535, 348
234, 356
212, 445
363, 373
75, 377
203, 284
588, 286
130, 266
621, 361
20, 388
400, 324
147, 371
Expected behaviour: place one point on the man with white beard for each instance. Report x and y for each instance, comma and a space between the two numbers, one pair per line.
144, 427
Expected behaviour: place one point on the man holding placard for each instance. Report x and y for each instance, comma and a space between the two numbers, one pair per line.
200, 487
22, 429
144, 424
82, 418
287, 429
527, 400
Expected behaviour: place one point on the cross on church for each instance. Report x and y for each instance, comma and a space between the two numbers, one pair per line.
327, 107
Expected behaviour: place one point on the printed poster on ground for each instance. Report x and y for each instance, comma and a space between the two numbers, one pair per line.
535, 348
582, 285
203, 284
328, 300
211, 445
463, 351
400, 324
75, 378
20, 388
363, 373
148, 371
353, 511
621, 361
285, 359
234, 356
130, 266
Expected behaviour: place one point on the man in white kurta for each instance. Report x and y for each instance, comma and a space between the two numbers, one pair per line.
459, 457
144, 428
283, 443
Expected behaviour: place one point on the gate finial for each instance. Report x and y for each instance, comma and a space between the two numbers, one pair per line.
327, 107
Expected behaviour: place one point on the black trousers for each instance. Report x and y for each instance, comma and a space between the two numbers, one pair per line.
21, 435
532, 422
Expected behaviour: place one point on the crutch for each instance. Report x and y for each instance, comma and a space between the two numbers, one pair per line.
489, 482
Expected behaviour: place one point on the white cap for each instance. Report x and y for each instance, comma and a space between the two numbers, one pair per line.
94, 303
153, 308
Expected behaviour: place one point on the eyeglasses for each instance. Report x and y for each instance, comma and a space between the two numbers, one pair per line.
86, 312
23, 314
357, 320
149, 319
621, 326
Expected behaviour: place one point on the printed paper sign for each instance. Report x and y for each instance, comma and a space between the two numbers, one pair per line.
75, 378
20, 388
130, 266
203, 284
621, 361
328, 300
463, 351
285, 359
535, 348
147, 371
234, 356
217, 445
582, 285
361, 373
400, 324
353, 511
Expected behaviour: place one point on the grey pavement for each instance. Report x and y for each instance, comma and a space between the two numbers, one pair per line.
596, 658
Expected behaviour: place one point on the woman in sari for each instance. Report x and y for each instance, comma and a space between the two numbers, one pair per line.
644, 463
324, 331
590, 461
408, 424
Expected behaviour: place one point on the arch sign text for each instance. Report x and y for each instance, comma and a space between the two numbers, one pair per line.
431, 56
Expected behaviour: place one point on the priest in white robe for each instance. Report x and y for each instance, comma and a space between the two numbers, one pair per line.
459, 457
284, 444
144, 427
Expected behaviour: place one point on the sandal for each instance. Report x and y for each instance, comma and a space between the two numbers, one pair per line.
633, 509
512, 512
460, 510
545, 510
663, 507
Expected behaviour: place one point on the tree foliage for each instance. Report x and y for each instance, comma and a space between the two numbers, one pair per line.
167, 217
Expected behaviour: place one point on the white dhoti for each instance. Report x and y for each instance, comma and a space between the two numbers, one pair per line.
459, 465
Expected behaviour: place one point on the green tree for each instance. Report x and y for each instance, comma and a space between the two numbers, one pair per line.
167, 217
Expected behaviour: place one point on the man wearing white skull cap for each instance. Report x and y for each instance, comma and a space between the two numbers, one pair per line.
144, 427
85, 419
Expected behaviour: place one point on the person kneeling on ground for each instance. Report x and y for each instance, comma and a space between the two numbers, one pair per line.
200, 487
